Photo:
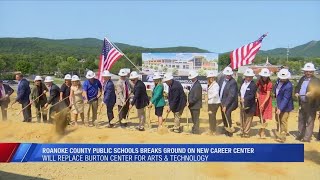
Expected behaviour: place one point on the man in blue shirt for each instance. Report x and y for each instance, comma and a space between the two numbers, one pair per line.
23, 94
92, 90
308, 103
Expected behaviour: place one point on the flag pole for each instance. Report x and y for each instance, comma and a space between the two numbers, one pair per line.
123, 54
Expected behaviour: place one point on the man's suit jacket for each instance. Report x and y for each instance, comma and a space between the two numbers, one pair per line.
284, 97
250, 97
121, 92
109, 95
54, 94
8, 91
313, 101
176, 97
229, 95
140, 97
23, 92
195, 96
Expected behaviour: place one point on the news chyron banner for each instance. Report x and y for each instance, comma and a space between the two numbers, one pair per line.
33, 152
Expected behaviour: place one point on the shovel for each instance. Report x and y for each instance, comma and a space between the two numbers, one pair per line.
187, 128
278, 132
164, 129
230, 130
30, 103
99, 116
262, 124
149, 117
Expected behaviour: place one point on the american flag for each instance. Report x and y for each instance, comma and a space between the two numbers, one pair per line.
245, 54
108, 57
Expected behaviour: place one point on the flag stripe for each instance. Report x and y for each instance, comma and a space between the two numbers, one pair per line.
108, 57
245, 54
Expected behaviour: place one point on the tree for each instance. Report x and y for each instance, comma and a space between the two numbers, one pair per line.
224, 60
23, 66
2, 64
202, 72
175, 71
72, 65
165, 69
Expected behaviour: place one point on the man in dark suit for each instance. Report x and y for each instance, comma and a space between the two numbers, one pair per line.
140, 98
248, 100
229, 99
5, 92
177, 100
306, 92
23, 94
109, 95
195, 101
54, 97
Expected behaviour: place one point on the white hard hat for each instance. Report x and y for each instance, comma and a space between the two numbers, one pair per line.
48, 79
227, 71
284, 74
167, 77
212, 74
157, 76
90, 75
106, 73
249, 72
75, 78
38, 78
134, 75
309, 67
265, 72
192, 74
123, 72
67, 77
127, 70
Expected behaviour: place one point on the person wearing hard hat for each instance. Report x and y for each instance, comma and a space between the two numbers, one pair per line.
248, 99
213, 101
283, 91
229, 99
195, 101
157, 98
264, 98
92, 90
23, 93
123, 91
5, 93
54, 97
308, 102
177, 100
39, 98
76, 100
109, 96
140, 98
65, 89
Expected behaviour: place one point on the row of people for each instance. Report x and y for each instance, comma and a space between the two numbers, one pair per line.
223, 93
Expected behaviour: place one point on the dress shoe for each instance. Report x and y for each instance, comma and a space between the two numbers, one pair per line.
304, 140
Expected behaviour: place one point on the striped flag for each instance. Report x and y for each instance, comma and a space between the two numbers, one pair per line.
108, 57
245, 54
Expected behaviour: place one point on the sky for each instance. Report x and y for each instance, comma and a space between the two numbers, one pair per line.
217, 26
178, 56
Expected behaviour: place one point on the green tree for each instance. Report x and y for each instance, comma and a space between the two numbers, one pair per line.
175, 71
23, 66
201, 72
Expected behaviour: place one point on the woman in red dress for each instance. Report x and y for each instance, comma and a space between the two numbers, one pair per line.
264, 99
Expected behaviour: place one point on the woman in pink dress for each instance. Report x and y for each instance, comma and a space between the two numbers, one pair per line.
264, 99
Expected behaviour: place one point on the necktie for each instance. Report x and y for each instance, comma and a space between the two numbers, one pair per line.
0, 92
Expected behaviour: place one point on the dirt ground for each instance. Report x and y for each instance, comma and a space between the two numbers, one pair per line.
16, 131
